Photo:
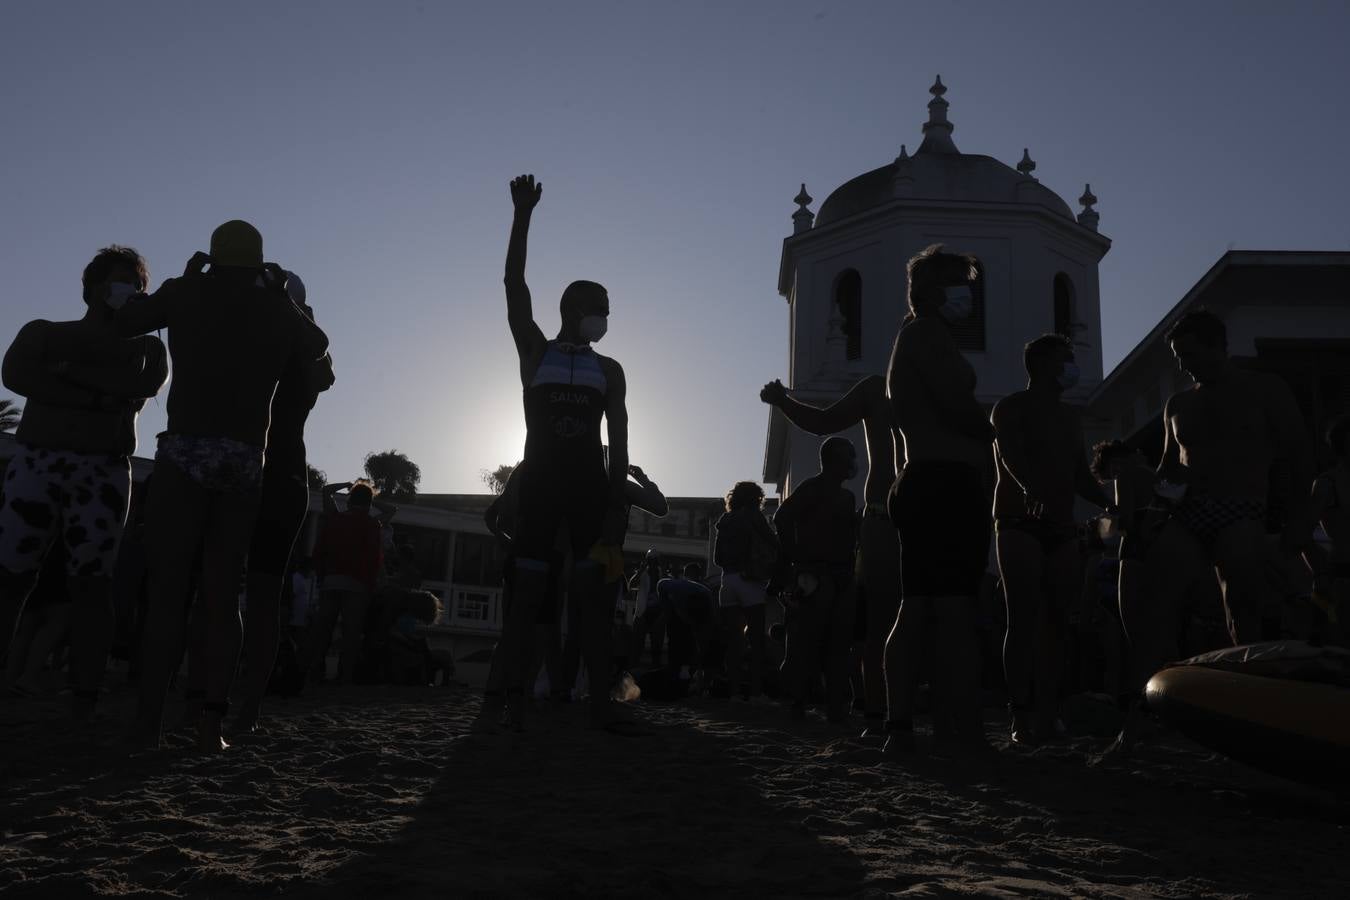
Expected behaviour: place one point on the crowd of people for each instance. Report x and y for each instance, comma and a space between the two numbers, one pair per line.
160, 574
966, 553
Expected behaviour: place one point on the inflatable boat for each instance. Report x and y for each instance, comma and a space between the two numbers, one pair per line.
1282, 707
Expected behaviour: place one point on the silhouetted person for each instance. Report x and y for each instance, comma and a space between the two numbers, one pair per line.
232, 332
1042, 467
70, 476
1331, 508
940, 502
879, 550
568, 390
1220, 440
281, 515
817, 530
348, 557
747, 550
690, 610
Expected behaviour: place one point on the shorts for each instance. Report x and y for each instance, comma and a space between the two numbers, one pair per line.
552, 498
79, 498
1050, 535
281, 515
216, 464
1207, 517
942, 512
737, 590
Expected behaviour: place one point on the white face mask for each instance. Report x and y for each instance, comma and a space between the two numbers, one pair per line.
593, 328
119, 292
1068, 376
958, 304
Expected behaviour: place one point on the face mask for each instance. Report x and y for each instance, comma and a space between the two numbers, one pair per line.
593, 328
958, 304
119, 292
1068, 376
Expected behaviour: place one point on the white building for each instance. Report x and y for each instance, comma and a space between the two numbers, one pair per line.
843, 276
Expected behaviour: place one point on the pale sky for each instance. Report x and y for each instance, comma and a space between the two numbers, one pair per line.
372, 143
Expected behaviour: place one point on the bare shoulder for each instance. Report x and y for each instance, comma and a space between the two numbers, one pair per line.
610, 366
1179, 402
1009, 407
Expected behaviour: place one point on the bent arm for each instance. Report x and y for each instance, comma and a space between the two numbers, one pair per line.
147, 313
1169, 466
645, 495
137, 379
386, 510
25, 372
1010, 441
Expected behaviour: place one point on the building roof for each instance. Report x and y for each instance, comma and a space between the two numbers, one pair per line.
939, 171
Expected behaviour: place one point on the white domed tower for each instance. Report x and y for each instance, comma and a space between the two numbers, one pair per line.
843, 275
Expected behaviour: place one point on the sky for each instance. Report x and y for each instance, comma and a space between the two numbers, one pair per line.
372, 144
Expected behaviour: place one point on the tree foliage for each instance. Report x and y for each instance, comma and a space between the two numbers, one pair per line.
496, 479
316, 477
9, 415
393, 473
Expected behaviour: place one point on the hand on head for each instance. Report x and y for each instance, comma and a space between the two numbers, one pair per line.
197, 264
525, 192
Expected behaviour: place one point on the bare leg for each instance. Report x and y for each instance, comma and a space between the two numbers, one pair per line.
354, 606
1242, 558
754, 627
958, 665
229, 532
14, 591
262, 635
319, 632
880, 546
842, 612
904, 659
46, 637
505, 675
175, 522
1064, 582
1021, 566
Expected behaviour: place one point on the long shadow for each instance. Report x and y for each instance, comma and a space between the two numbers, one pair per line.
569, 811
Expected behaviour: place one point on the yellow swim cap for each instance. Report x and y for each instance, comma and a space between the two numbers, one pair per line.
237, 243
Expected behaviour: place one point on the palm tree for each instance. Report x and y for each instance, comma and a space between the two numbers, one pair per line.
497, 478
9, 415
393, 473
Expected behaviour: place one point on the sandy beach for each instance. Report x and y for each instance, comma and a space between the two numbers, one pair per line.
375, 792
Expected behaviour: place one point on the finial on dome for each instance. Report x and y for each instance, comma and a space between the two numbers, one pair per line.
937, 131
902, 180
1027, 165
1088, 217
803, 217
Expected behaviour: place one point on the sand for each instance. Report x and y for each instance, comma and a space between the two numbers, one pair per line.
382, 792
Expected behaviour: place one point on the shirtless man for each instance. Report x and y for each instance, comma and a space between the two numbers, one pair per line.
1220, 439
232, 333
879, 547
1331, 507
568, 389
1042, 466
939, 503
70, 476
817, 532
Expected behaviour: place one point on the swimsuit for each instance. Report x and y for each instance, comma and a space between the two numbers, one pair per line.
216, 464
80, 498
1050, 535
563, 477
1207, 517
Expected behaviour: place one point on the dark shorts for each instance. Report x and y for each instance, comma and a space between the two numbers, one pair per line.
550, 605
942, 513
1050, 535
552, 498
281, 515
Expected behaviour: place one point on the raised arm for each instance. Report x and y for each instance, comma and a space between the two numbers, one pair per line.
147, 312
848, 410
26, 372
330, 492
137, 379
386, 510
525, 194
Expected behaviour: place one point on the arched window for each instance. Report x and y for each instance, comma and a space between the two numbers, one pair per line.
969, 334
1064, 322
848, 297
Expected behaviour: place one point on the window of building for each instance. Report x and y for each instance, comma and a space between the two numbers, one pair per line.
431, 546
478, 560
1064, 322
969, 334
848, 297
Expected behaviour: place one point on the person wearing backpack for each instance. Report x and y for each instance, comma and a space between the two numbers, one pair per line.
746, 548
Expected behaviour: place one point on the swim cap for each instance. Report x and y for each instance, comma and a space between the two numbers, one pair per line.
237, 243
